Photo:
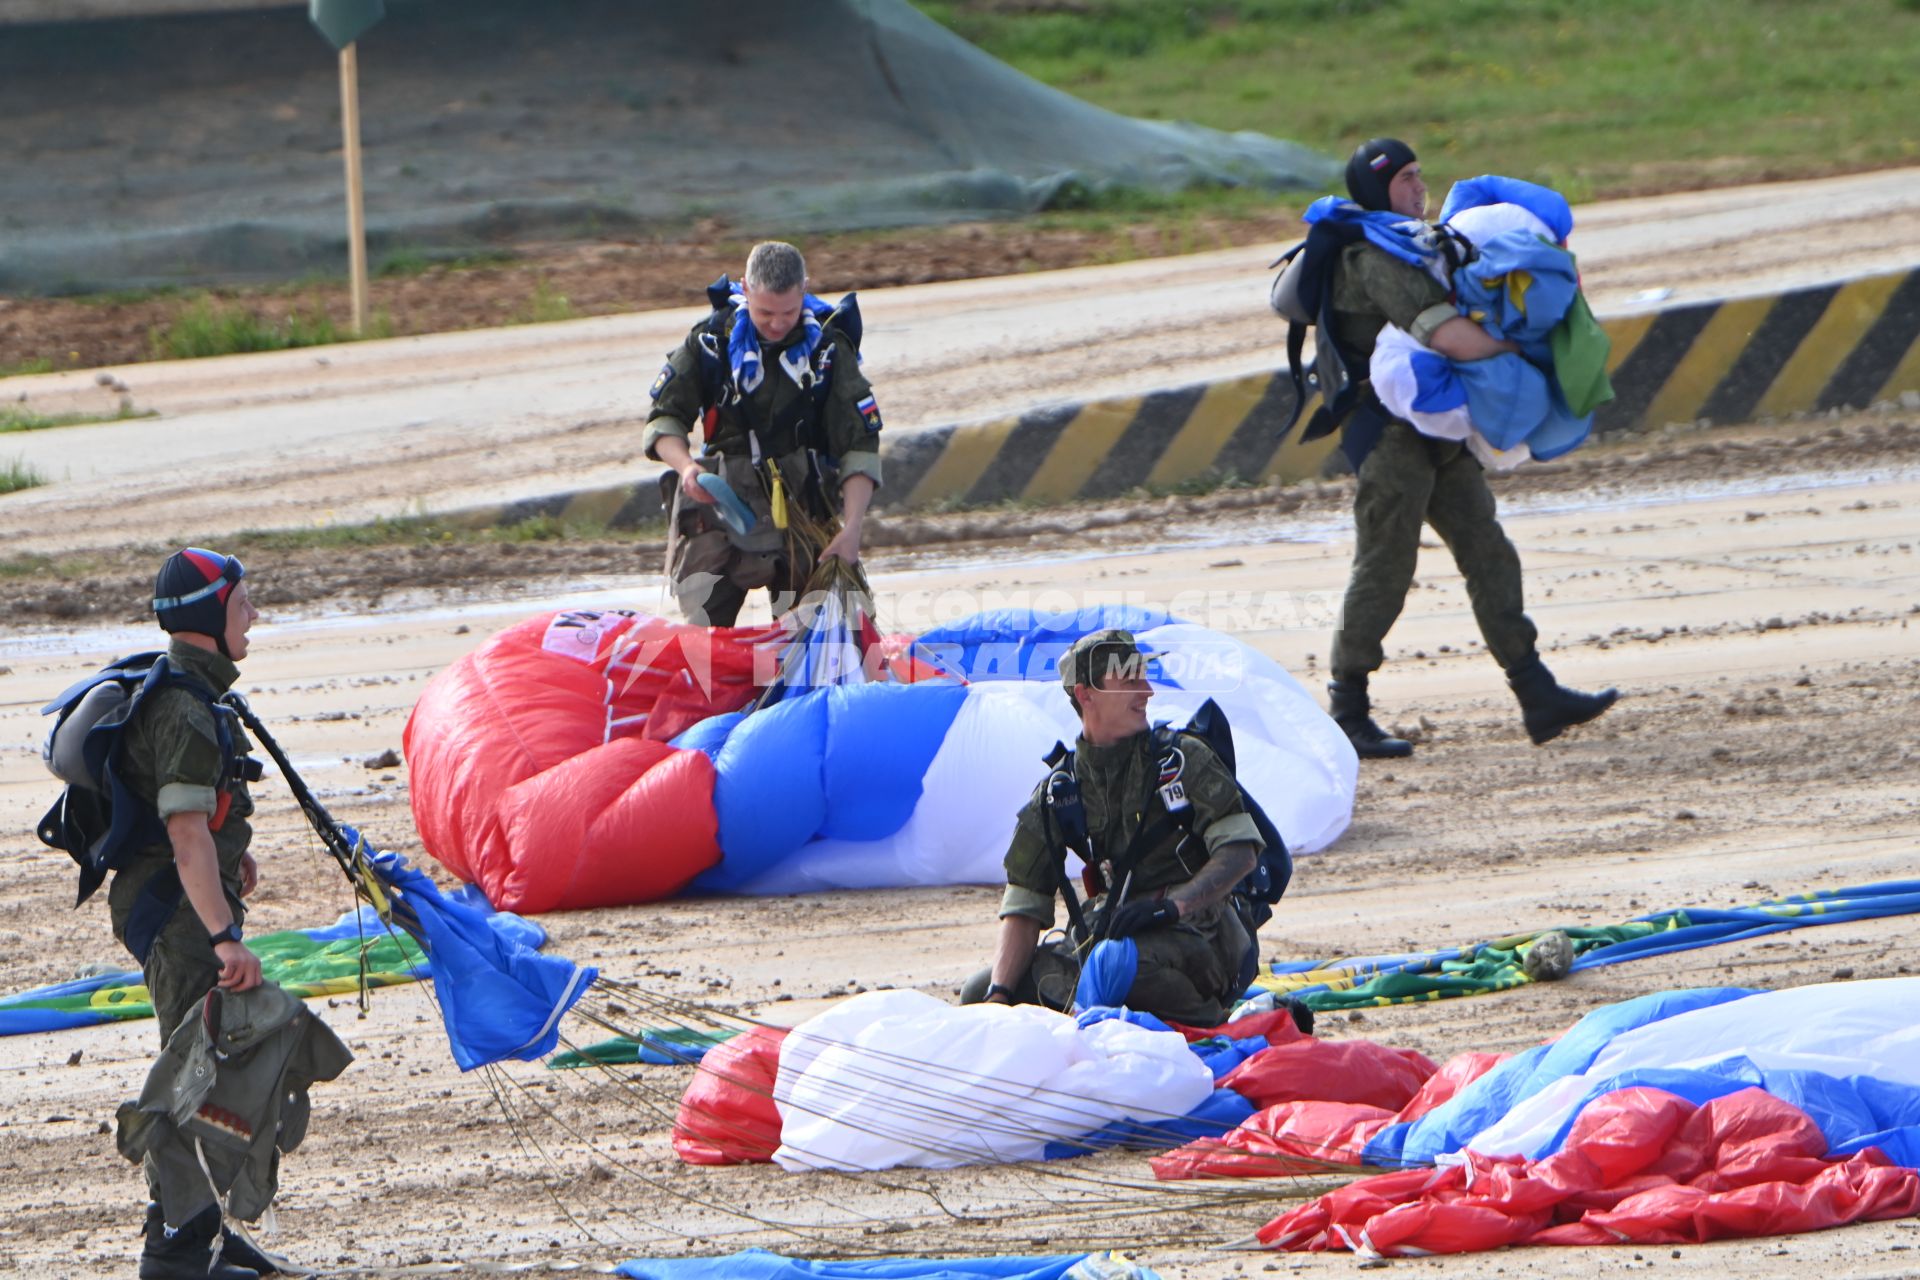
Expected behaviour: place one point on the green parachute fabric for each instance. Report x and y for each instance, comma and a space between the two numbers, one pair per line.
333, 961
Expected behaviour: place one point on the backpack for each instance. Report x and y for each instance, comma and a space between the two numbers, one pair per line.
97, 820
716, 376
1302, 295
1066, 817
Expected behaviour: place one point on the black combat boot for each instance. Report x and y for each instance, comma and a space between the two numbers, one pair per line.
238, 1249
186, 1253
1350, 709
1547, 707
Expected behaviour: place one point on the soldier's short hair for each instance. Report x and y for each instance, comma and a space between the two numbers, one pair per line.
775, 266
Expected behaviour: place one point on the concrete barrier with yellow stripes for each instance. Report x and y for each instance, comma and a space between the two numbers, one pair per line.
1834, 346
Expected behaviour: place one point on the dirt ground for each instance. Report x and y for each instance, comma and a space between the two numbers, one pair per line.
604, 278
1752, 592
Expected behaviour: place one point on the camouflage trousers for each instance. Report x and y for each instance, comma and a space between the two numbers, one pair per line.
1189, 972
1406, 481
712, 571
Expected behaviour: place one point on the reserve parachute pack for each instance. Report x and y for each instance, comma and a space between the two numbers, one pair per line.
1066, 816
98, 821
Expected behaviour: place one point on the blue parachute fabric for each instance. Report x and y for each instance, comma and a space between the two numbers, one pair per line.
1107, 974
880, 739
1707, 927
1703, 927
709, 735
1222, 1054
758, 1264
1084, 1018
1439, 385
17, 1021
1543, 203
26, 1013
1528, 314
1397, 962
1858, 1112
516, 930
1562, 430
1452, 1124
767, 789
1025, 644
1506, 396
498, 999
1396, 233
1222, 1112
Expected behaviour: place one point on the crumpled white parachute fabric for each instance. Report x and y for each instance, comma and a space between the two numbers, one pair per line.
899, 1078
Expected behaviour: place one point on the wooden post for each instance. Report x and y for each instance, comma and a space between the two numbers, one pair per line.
356, 210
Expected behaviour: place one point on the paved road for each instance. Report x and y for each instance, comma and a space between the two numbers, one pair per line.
432, 423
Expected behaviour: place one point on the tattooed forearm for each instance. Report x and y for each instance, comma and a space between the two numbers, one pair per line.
1215, 881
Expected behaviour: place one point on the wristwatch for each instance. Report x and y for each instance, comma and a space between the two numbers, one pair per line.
229, 934
997, 989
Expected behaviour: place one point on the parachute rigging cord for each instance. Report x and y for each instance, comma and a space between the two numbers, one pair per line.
570, 1123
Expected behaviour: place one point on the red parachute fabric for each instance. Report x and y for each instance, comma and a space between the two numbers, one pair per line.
1276, 1026
1640, 1166
1331, 1071
1308, 1136
538, 764
727, 1114
630, 821
1288, 1138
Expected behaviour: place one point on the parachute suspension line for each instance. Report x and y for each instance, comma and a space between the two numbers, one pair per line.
505, 1086
395, 912
1079, 1199
929, 1103
1072, 1211
922, 1102
350, 855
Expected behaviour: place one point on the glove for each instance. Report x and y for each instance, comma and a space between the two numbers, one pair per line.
1136, 917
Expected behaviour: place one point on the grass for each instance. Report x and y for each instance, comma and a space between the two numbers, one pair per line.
13, 418
17, 474
211, 328
1596, 99
546, 306
402, 263
39, 364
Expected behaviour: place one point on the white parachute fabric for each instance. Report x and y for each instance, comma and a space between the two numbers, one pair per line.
1291, 757
985, 769
1394, 368
899, 1078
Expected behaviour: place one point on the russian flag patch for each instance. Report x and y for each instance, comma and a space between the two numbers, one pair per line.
869, 413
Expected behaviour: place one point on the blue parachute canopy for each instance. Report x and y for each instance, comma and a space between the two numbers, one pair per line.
498, 997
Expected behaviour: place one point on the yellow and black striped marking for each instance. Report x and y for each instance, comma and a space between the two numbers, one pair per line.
1106, 447
1834, 346
1844, 346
